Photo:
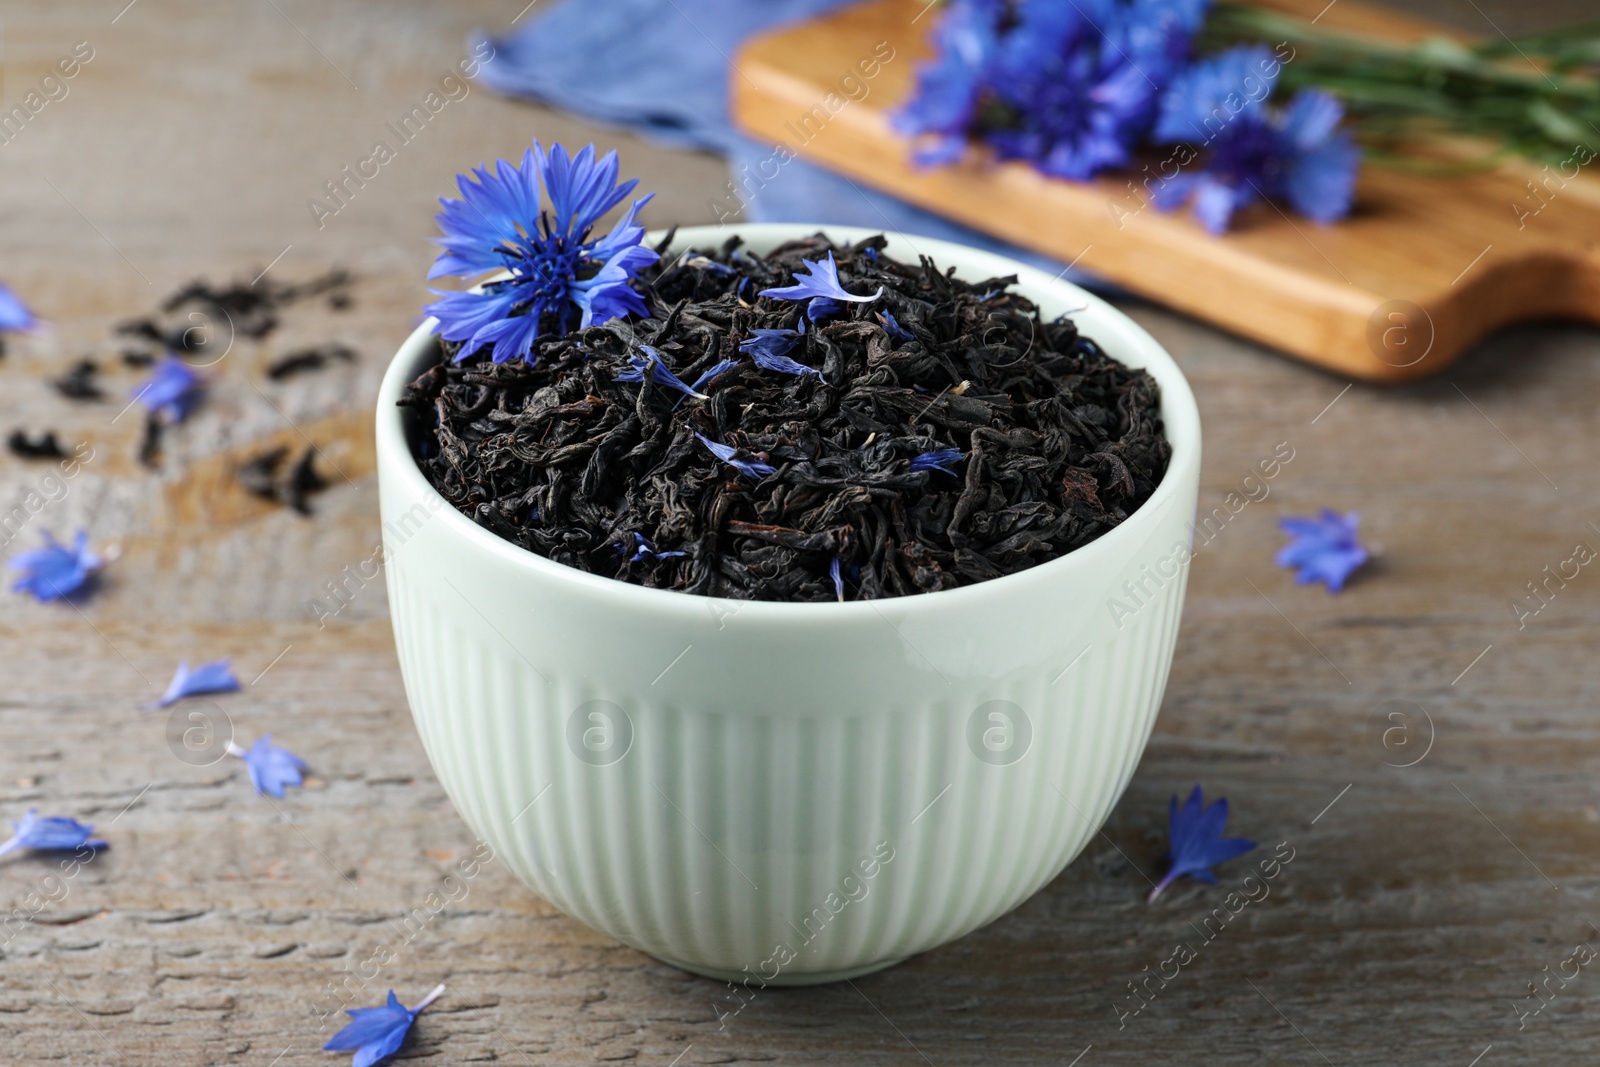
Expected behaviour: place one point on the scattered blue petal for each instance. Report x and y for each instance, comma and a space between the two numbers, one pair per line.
213, 677
768, 350
838, 579
1195, 841
377, 1033
821, 279
51, 833
720, 367
936, 460
892, 326
653, 362
707, 264
172, 390
14, 314
643, 549
55, 571
1323, 549
271, 768
560, 278
822, 307
753, 467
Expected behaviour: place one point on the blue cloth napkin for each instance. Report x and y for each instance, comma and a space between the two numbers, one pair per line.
660, 68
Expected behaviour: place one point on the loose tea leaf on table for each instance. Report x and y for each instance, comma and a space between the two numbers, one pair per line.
81, 382
939, 435
44, 446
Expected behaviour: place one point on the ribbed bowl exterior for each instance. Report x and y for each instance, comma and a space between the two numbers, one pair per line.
788, 793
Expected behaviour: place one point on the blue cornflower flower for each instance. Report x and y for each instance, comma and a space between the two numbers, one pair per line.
936, 460
14, 314
215, 677
1323, 549
172, 390
643, 549
55, 570
1214, 93
838, 579
1297, 153
558, 273
949, 88
754, 468
1077, 104
819, 284
892, 326
52, 833
376, 1033
271, 768
1195, 841
660, 373
769, 349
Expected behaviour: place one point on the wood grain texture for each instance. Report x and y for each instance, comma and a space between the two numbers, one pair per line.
1417, 907
1422, 268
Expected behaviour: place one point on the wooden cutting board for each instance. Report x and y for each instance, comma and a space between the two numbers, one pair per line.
1421, 269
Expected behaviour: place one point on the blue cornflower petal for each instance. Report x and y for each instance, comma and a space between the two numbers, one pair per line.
822, 307
708, 264
643, 549
1195, 841
838, 579
580, 189
377, 1033
821, 278
560, 277
271, 768
660, 373
215, 677
720, 367
768, 348
51, 833
172, 389
55, 570
1323, 549
936, 460
753, 468
14, 314
608, 295
892, 326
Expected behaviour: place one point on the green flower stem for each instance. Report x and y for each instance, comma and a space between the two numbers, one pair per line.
1537, 95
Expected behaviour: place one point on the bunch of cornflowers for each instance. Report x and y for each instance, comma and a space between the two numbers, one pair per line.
1076, 87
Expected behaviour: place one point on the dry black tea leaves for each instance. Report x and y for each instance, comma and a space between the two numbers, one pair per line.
150, 441
309, 359
939, 435
81, 382
264, 476
44, 446
202, 314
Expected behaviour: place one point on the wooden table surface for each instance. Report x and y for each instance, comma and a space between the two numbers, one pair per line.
1421, 902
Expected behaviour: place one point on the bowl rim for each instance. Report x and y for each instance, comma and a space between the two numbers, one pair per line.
1180, 420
